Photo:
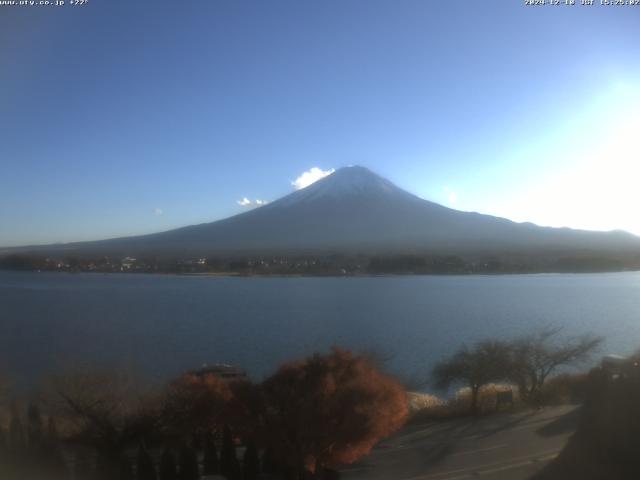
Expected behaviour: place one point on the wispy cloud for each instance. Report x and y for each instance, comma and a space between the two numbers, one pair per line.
246, 202
158, 211
310, 176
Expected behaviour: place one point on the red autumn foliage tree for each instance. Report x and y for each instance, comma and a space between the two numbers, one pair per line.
329, 410
245, 413
195, 403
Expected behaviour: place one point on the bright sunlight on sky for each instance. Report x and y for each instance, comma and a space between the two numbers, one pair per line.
592, 181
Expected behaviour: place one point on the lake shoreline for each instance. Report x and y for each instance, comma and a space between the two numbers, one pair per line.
327, 275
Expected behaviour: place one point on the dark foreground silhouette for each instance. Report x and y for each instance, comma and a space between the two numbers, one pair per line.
309, 417
606, 445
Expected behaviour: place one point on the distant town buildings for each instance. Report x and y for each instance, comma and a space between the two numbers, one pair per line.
127, 263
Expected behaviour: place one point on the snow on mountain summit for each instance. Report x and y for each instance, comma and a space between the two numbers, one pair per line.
354, 210
343, 183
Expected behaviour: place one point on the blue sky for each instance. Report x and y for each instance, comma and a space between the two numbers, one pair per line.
124, 117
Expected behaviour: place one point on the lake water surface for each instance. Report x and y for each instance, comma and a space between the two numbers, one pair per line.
162, 325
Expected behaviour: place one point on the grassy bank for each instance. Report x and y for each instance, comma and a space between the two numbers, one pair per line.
564, 389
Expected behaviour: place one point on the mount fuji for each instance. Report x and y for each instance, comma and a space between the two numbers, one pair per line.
355, 210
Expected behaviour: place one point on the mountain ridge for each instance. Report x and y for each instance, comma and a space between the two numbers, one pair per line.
352, 210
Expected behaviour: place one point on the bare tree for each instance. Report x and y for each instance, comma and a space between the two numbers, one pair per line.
110, 412
474, 367
536, 356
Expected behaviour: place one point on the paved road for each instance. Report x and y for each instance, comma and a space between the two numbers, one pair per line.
502, 446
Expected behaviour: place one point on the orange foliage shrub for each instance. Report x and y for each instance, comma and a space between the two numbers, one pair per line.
330, 409
195, 402
245, 413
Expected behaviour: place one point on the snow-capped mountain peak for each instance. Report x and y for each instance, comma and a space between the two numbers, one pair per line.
343, 183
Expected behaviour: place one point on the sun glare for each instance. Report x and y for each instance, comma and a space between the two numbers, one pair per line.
595, 187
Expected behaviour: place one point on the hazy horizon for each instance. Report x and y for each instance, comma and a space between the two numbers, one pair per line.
303, 181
